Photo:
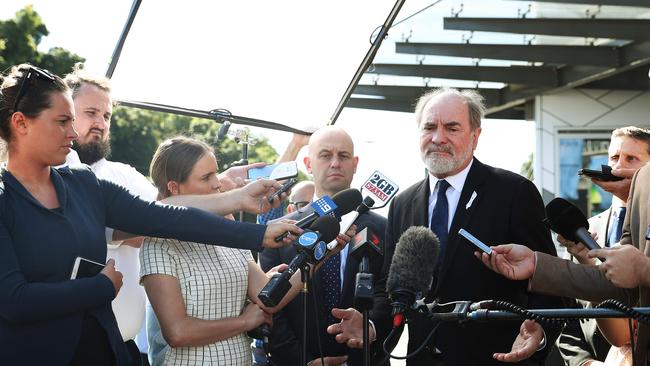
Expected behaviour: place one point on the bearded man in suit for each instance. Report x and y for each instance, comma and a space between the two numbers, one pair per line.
495, 205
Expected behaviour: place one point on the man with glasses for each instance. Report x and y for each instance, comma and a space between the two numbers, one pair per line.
332, 163
301, 196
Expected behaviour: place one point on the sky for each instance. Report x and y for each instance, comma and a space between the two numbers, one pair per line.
286, 61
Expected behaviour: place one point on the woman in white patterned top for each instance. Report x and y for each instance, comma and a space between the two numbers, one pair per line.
204, 296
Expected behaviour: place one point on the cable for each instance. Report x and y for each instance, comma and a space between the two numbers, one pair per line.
392, 333
630, 312
506, 306
375, 31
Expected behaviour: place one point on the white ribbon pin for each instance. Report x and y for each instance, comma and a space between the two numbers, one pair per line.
471, 199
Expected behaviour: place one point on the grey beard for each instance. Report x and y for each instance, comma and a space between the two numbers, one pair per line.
444, 165
92, 152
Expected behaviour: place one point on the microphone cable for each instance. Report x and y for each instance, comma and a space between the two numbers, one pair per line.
420, 348
629, 311
633, 314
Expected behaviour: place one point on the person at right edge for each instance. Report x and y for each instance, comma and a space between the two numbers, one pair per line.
494, 205
583, 344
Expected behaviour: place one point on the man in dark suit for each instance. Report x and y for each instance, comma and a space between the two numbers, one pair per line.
459, 191
332, 163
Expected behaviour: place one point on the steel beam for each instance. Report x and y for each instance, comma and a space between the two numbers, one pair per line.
557, 54
639, 3
527, 75
633, 29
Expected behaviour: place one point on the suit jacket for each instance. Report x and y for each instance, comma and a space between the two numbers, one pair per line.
583, 341
560, 277
507, 208
286, 336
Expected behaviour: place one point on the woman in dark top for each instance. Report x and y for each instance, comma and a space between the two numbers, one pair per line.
49, 216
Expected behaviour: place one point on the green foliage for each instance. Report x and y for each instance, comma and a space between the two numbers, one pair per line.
527, 168
19, 39
136, 133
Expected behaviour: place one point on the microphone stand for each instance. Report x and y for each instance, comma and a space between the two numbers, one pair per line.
363, 301
304, 277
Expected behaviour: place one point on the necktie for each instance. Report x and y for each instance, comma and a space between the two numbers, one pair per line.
617, 227
440, 218
331, 279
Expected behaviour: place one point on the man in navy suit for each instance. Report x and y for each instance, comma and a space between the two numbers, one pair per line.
332, 163
459, 191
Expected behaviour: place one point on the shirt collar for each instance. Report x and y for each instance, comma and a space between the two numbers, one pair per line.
456, 181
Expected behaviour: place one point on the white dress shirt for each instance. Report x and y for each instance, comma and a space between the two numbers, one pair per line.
456, 183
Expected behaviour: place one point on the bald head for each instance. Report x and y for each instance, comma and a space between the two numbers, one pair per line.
301, 195
331, 160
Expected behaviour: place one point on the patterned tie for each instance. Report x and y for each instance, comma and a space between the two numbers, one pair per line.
617, 230
440, 218
331, 279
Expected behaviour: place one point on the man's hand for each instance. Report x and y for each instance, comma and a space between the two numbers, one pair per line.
235, 177
621, 188
513, 261
578, 250
278, 228
625, 266
328, 361
255, 196
525, 345
350, 329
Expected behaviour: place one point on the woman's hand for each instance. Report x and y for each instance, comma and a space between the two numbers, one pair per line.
253, 316
114, 275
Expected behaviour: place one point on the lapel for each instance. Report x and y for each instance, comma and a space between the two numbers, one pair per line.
349, 279
420, 210
475, 179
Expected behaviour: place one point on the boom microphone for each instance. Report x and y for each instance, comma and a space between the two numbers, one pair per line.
411, 270
340, 204
567, 220
311, 247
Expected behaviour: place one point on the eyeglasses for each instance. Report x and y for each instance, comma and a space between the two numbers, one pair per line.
299, 204
33, 72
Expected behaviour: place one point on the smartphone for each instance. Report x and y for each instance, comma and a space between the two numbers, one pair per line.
605, 174
261, 173
472, 239
285, 187
279, 171
83, 268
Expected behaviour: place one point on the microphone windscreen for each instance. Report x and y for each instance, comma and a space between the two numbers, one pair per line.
327, 226
414, 260
565, 218
347, 200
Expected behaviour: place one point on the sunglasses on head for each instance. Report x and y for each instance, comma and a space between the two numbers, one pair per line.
31, 74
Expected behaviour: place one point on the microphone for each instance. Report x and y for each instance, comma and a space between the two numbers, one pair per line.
223, 130
411, 270
340, 204
567, 220
351, 218
366, 248
311, 247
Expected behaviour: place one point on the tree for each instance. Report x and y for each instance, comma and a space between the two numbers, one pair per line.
527, 168
19, 40
136, 134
